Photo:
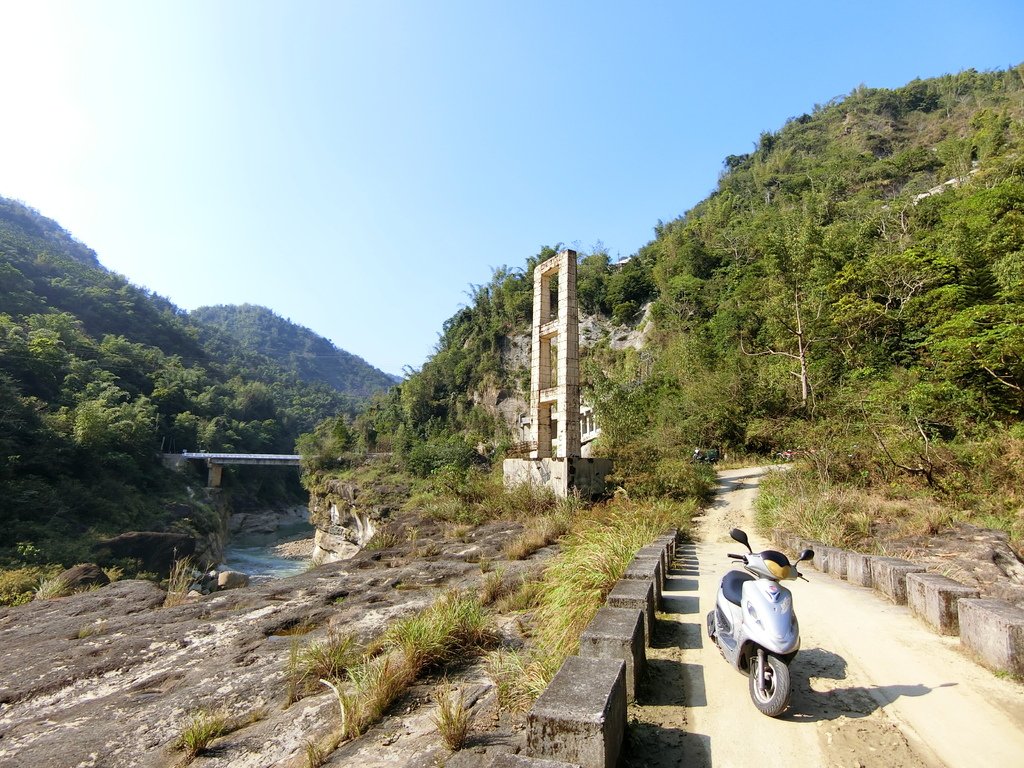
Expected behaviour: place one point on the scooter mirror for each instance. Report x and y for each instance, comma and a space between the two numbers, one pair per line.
807, 554
741, 537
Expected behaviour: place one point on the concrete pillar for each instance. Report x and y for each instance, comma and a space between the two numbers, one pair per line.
555, 378
214, 474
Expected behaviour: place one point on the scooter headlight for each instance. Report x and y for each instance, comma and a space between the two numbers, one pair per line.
753, 614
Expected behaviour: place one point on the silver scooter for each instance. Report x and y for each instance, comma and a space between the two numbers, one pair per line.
754, 625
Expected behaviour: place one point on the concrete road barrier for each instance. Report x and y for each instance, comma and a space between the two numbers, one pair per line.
933, 598
889, 577
508, 760
618, 633
858, 569
993, 631
581, 716
659, 551
636, 595
647, 569
836, 565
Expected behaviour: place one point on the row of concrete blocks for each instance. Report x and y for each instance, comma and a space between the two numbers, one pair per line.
580, 719
990, 630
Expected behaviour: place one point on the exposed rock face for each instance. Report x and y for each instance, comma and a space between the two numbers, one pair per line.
978, 557
109, 677
265, 522
157, 551
347, 515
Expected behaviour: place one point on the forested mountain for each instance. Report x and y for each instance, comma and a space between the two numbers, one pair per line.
296, 348
854, 286
97, 377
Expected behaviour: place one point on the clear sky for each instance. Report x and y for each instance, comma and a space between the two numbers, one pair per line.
356, 166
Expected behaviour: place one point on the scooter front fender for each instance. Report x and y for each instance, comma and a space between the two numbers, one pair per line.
768, 617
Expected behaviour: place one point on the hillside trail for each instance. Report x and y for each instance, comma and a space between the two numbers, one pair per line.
872, 686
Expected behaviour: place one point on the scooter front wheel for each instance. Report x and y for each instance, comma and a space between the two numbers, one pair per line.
773, 699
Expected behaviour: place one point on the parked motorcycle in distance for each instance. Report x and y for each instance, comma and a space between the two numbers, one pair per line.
754, 625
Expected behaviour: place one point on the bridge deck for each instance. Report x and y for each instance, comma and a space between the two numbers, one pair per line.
291, 459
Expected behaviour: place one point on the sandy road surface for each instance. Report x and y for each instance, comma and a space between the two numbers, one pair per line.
872, 685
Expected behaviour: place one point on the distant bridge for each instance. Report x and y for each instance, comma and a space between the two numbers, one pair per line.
216, 462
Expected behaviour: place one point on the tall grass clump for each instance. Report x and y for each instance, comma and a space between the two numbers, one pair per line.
453, 628
540, 531
205, 725
453, 719
455, 625
594, 555
52, 587
202, 728
328, 658
178, 582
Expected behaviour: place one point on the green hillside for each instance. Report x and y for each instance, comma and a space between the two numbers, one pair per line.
312, 357
97, 377
853, 289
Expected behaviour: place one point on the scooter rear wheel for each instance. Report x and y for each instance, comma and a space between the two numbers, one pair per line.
774, 699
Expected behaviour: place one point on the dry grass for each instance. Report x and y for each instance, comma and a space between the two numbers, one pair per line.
449, 631
846, 517
51, 588
594, 555
178, 582
538, 533
328, 658
453, 719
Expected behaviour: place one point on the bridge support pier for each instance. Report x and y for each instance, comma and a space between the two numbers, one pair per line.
213, 477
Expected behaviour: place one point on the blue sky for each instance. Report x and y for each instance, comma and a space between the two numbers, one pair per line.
356, 166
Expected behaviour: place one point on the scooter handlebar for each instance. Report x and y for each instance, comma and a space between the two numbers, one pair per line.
738, 557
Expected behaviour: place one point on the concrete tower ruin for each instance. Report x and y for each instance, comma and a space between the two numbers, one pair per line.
555, 432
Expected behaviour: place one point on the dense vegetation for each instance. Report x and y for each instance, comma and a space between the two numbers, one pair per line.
311, 356
97, 377
854, 288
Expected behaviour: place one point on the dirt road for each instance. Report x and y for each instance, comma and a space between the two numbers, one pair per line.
872, 685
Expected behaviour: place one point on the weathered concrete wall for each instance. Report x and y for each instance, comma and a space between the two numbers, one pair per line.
560, 475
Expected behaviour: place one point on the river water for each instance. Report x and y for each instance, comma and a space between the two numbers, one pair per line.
262, 557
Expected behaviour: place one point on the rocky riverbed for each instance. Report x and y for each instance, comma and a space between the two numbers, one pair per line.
110, 677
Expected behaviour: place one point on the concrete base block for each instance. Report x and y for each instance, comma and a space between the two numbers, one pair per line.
618, 633
508, 760
822, 555
816, 546
993, 630
934, 598
889, 576
636, 595
836, 565
858, 569
656, 550
581, 716
647, 569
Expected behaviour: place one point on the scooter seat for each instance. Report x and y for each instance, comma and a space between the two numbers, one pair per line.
732, 585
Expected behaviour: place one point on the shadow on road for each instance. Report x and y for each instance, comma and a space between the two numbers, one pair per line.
810, 705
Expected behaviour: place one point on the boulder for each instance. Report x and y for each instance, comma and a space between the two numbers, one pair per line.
232, 580
83, 576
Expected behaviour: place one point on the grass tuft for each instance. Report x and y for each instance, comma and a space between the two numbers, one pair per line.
178, 582
453, 719
202, 728
51, 588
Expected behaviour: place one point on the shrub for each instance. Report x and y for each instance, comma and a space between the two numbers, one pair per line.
18, 586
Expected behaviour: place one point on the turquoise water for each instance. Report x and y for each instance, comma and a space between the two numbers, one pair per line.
255, 556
